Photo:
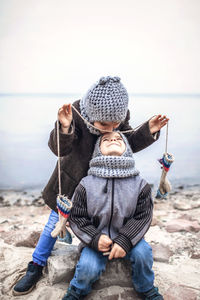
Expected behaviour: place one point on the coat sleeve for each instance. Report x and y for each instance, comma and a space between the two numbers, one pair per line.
136, 227
141, 138
80, 222
66, 140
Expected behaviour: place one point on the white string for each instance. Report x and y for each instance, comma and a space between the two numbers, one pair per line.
58, 148
104, 130
166, 142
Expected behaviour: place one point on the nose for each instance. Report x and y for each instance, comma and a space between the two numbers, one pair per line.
113, 139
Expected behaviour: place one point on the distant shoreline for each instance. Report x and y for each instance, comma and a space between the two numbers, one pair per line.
145, 95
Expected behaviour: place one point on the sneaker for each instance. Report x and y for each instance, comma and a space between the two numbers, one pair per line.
72, 294
152, 294
29, 280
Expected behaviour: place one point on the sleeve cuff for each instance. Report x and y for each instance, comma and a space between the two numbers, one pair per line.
70, 131
94, 242
124, 242
156, 135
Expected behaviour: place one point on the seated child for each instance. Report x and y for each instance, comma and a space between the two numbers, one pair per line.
112, 211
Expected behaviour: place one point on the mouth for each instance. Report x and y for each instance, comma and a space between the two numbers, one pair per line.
113, 144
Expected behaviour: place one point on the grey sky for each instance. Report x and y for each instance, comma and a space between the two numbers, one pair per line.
65, 46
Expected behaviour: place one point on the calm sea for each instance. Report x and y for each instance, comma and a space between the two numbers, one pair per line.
26, 121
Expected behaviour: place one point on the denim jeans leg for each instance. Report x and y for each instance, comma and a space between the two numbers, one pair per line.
46, 242
88, 269
142, 261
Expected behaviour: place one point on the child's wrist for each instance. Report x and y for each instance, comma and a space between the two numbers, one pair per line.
65, 129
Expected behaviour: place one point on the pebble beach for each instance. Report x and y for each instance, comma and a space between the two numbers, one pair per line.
174, 236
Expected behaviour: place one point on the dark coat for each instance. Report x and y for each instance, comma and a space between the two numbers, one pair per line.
76, 150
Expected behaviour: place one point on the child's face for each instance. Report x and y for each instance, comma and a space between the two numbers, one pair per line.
108, 126
112, 144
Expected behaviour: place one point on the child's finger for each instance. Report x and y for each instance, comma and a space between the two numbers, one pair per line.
104, 249
112, 254
69, 108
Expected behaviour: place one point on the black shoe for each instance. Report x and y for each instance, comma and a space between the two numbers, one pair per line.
72, 294
29, 280
153, 294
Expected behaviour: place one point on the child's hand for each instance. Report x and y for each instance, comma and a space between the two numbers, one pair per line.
117, 251
65, 116
157, 122
104, 243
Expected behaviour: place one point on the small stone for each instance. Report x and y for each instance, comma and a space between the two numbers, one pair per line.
195, 253
182, 206
177, 292
161, 253
181, 187
31, 240
38, 202
177, 225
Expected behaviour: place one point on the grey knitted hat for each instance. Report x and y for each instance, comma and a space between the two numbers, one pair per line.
106, 100
112, 166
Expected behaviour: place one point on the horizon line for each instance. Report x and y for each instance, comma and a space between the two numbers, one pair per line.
64, 94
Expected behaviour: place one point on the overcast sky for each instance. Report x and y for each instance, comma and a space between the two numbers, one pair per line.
64, 46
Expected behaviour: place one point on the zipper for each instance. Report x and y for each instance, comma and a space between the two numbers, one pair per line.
112, 204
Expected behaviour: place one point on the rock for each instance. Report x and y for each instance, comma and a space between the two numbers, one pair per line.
30, 241
38, 202
180, 187
61, 266
195, 253
186, 217
161, 253
156, 221
183, 205
21, 239
177, 225
177, 292
113, 293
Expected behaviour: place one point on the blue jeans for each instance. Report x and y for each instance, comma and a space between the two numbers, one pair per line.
46, 242
92, 263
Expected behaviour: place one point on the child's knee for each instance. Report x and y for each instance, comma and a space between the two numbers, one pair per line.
88, 271
142, 252
89, 267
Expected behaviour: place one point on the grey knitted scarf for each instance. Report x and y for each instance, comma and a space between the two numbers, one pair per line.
112, 166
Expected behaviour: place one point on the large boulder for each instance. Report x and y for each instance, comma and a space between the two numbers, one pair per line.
62, 262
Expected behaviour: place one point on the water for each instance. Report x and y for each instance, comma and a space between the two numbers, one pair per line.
26, 121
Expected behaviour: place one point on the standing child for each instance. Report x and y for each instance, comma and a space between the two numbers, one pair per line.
105, 105
112, 211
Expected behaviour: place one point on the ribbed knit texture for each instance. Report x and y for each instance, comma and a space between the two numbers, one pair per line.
129, 234
79, 213
142, 218
106, 100
112, 166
